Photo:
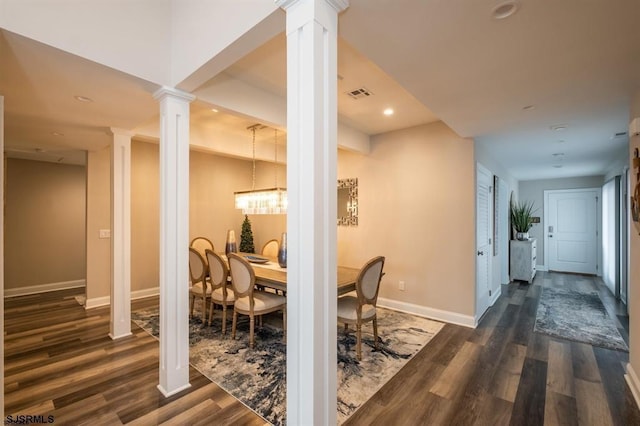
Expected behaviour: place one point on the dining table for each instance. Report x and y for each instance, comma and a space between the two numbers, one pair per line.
269, 274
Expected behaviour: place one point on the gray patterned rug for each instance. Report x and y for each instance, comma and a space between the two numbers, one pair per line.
577, 316
257, 376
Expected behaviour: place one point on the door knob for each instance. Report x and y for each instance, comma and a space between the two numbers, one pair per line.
480, 253
550, 236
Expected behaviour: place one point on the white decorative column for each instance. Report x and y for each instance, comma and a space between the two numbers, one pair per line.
120, 233
312, 27
2, 186
174, 239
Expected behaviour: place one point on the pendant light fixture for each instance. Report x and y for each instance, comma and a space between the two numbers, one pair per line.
262, 201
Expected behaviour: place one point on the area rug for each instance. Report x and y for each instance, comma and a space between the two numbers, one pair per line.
577, 316
257, 376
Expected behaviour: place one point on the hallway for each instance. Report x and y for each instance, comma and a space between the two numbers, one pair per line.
503, 373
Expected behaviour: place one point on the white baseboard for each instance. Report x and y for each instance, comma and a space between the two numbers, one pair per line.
147, 292
542, 268
43, 288
496, 294
432, 313
634, 384
97, 302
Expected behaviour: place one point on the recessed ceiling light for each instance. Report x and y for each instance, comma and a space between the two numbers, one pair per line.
559, 127
214, 110
388, 111
83, 98
504, 9
57, 134
528, 107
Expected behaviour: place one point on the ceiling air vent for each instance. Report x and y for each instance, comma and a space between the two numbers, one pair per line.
360, 93
619, 135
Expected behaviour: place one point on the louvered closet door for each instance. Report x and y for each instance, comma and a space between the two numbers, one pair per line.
484, 206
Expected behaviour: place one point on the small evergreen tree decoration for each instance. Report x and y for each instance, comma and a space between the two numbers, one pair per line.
246, 237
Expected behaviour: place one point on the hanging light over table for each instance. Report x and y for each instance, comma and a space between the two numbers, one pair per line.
262, 201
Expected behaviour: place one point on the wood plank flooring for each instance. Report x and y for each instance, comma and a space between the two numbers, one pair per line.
60, 361
502, 373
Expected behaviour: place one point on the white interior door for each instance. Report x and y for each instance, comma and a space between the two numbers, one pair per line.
571, 230
484, 207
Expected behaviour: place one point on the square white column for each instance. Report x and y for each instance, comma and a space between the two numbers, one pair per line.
120, 233
174, 239
311, 213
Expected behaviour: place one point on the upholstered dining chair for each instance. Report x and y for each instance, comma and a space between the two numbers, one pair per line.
199, 283
270, 249
201, 244
221, 293
250, 301
362, 308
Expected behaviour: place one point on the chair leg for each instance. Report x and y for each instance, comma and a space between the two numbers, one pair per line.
224, 319
375, 332
251, 325
204, 310
233, 324
193, 301
211, 313
359, 341
284, 324
346, 327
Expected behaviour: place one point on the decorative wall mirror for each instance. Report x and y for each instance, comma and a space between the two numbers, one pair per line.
348, 202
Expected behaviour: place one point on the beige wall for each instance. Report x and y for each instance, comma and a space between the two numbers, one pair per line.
213, 180
634, 255
45, 223
417, 208
145, 216
98, 217
533, 190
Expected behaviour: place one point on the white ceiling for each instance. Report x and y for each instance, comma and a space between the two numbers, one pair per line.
576, 61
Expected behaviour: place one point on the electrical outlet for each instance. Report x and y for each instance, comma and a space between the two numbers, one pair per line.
401, 285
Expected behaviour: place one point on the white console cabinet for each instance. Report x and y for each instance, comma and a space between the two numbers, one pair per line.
523, 260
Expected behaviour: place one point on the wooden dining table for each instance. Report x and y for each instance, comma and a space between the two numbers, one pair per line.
273, 276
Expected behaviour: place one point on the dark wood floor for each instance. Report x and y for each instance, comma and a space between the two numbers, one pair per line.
502, 373
59, 361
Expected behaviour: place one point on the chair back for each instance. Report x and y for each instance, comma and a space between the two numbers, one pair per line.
202, 244
270, 249
368, 282
197, 266
243, 278
218, 270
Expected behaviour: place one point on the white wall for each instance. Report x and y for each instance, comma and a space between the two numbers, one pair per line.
116, 33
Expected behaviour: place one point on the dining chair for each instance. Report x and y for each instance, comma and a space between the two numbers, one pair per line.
201, 244
270, 249
362, 308
250, 301
199, 283
221, 293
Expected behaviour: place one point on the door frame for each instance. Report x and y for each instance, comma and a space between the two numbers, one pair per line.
545, 229
478, 315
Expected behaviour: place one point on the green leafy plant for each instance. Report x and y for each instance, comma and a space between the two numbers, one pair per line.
246, 237
522, 216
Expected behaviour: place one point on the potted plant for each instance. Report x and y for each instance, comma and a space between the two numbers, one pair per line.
521, 219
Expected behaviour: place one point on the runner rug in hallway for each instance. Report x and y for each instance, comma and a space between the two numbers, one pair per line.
577, 316
257, 376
